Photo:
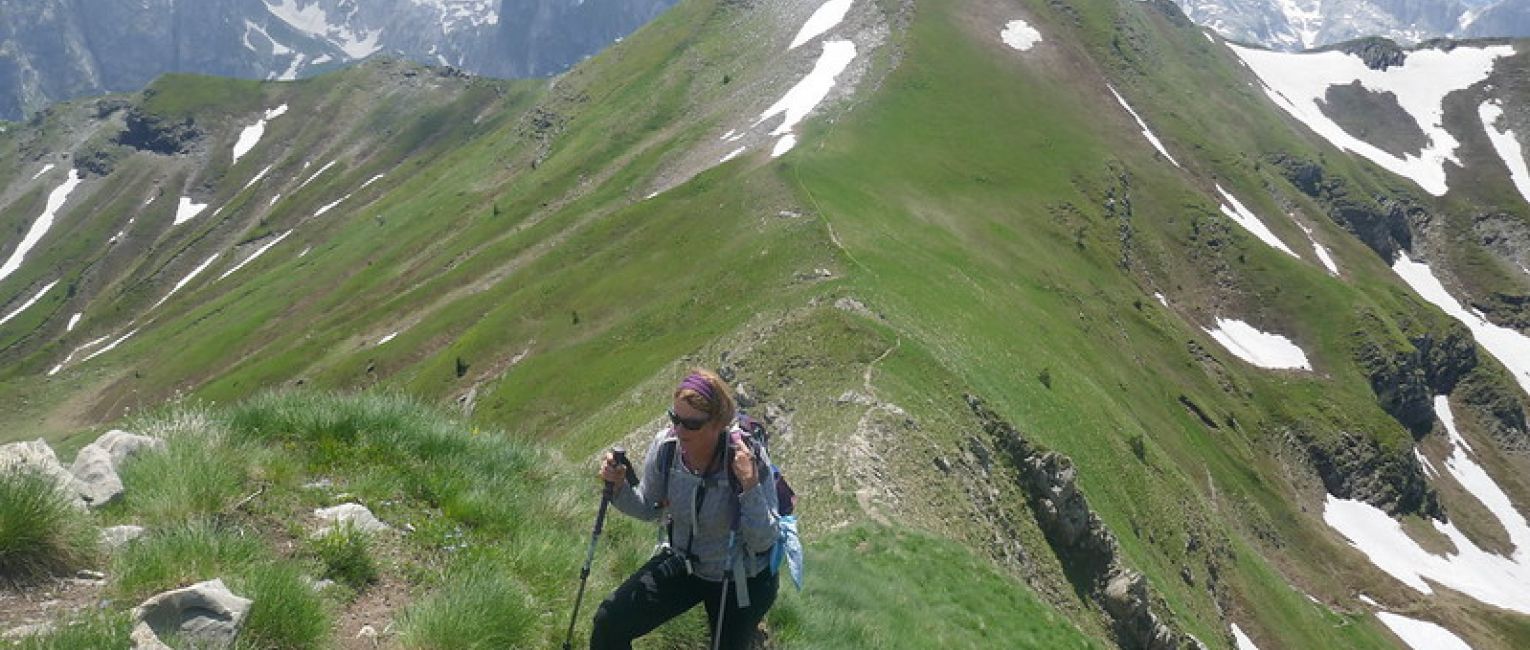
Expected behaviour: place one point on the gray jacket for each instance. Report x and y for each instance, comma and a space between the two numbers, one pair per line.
702, 529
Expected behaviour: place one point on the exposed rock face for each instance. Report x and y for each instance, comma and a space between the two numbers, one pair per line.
1378, 53
1384, 225
205, 614
1089, 552
1356, 467
95, 468
147, 132
1407, 378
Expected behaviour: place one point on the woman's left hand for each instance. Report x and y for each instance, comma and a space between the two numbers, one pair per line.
743, 468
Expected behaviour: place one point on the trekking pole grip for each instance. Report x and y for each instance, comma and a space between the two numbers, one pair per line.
619, 453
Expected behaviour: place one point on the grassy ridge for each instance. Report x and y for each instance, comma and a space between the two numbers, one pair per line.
483, 524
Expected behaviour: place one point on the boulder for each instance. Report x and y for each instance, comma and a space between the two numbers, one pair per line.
95, 468
37, 456
352, 514
205, 614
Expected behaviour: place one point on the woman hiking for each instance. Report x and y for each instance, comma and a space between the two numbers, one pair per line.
713, 488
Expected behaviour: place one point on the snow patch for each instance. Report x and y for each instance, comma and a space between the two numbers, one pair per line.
251, 134
274, 199
1258, 348
316, 174
1242, 640
1507, 147
371, 180
1422, 635
785, 144
305, 251
1322, 252
1429, 469
1146, 132
1511, 348
813, 88
45, 169
1020, 35
108, 348
44, 222
189, 276
1369, 601
257, 178
387, 338
1161, 300
186, 210
828, 15
330, 206
732, 154
312, 20
73, 320
1245, 218
29, 303
258, 252
1299, 84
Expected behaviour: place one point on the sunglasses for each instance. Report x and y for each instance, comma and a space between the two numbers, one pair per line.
691, 425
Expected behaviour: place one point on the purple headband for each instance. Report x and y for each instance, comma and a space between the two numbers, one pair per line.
703, 387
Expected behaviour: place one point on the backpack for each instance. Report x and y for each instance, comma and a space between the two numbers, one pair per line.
788, 545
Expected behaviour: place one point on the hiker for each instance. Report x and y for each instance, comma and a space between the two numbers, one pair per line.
717, 488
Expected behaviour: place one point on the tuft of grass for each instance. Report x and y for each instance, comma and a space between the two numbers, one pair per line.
202, 472
181, 555
41, 531
478, 606
346, 553
287, 612
96, 630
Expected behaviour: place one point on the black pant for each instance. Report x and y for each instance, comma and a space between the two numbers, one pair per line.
662, 590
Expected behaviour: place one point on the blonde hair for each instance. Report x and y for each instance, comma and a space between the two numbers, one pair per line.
704, 391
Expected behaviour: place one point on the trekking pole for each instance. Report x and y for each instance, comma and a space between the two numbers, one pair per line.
620, 456
722, 605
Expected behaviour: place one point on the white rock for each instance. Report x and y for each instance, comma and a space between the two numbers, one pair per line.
204, 614
39, 457
95, 468
353, 514
116, 537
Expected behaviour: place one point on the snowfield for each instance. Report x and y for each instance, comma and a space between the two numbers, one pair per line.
808, 93
1322, 252
1262, 349
1511, 348
828, 15
44, 222
1244, 643
1507, 147
1490, 578
1299, 83
1421, 635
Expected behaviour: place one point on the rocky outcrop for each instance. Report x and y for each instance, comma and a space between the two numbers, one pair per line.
1406, 377
1355, 466
149, 132
95, 467
1089, 552
1494, 399
1384, 224
1378, 53
205, 615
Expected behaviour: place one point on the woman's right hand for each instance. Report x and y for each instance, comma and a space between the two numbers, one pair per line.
612, 471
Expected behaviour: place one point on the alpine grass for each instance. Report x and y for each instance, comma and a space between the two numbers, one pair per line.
41, 531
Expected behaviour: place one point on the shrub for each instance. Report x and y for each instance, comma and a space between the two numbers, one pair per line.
41, 531
346, 553
287, 612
